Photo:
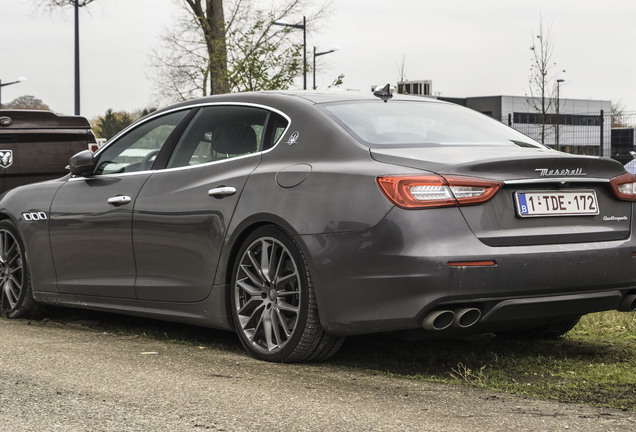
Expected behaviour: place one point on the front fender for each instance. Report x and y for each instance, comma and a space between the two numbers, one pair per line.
28, 207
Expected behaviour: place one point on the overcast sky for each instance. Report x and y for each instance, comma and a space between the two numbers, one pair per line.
466, 47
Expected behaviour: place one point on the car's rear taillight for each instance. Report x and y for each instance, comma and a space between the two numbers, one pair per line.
427, 191
624, 187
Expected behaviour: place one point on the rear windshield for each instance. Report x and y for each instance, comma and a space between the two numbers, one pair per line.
417, 124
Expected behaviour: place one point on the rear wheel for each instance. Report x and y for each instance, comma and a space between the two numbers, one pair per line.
15, 280
550, 331
273, 301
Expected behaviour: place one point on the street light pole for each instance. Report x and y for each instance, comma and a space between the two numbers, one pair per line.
302, 26
318, 54
8, 84
558, 102
77, 64
304, 54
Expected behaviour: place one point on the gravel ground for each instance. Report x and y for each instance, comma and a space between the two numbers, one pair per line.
69, 377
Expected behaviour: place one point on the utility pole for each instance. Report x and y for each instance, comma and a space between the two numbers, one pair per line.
77, 65
558, 114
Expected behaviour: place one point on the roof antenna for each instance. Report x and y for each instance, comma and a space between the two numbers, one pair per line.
384, 94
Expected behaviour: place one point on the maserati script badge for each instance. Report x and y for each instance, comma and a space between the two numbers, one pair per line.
545, 172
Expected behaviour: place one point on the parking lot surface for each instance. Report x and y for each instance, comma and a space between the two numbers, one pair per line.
58, 376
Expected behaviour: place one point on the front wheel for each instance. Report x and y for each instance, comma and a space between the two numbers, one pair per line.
273, 301
15, 280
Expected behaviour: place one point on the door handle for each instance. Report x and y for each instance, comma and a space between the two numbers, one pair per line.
119, 200
222, 191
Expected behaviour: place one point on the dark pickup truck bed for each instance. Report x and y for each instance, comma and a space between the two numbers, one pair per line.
36, 145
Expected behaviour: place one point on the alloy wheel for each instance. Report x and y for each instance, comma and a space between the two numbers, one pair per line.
11, 269
267, 295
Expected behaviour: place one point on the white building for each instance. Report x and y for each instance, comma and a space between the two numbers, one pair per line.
581, 126
418, 88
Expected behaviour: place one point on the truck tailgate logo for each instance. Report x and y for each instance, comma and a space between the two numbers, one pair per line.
6, 158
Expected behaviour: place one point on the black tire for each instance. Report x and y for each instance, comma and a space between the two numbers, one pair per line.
550, 331
273, 301
15, 279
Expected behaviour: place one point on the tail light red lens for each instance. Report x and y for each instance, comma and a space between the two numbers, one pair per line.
624, 187
488, 263
429, 191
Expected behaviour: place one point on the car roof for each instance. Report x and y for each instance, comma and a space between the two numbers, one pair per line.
327, 96
301, 96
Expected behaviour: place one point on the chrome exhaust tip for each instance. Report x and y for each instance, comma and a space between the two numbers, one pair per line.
466, 317
438, 320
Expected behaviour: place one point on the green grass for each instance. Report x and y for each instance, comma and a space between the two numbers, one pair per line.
594, 363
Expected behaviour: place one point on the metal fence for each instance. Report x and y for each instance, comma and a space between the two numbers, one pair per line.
597, 134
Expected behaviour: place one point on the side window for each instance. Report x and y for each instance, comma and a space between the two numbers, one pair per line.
137, 149
276, 127
220, 132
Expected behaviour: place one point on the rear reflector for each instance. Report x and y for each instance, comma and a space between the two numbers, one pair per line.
472, 263
429, 191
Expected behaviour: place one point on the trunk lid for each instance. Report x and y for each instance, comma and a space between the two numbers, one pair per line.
499, 162
524, 171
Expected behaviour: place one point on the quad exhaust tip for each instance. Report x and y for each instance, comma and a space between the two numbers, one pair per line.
442, 319
438, 320
466, 317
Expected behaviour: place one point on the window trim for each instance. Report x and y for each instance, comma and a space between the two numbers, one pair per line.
174, 136
267, 114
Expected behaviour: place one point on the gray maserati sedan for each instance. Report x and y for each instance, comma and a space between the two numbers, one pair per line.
298, 218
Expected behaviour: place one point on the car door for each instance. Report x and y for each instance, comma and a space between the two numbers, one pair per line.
91, 217
182, 212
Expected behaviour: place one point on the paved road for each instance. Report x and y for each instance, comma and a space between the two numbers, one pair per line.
68, 377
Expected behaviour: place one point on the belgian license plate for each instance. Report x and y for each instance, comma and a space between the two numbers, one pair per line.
557, 203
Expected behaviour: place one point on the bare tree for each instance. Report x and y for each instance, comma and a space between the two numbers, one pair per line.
219, 46
180, 66
402, 75
52, 4
542, 76
618, 115
210, 20
402, 69
260, 55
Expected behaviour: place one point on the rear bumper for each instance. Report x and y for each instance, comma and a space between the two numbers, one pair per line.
390, 277
527, 309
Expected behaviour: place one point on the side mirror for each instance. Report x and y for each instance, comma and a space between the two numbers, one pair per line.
82, 164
